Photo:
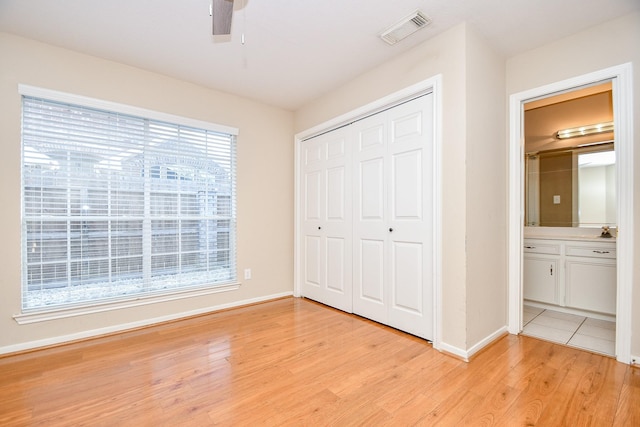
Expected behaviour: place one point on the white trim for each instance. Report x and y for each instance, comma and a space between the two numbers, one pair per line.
466, 355
622, 78
135, 301
133, 325
623, 122
516, 213
437, 211
434, 85
85, 101
455, 351
486, 341
371, 108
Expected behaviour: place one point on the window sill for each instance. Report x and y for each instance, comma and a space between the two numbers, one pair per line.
134, 301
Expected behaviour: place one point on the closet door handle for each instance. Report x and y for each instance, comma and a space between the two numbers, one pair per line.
391, 230
601, 252
551, 269
319, 228
530, 247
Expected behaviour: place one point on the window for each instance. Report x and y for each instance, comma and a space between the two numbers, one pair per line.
116, 205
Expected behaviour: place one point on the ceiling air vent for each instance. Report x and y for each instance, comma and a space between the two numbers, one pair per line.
407, 26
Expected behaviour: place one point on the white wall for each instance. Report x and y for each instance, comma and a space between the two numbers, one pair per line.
593, 195
610, 199
610, 44
486, 190
264, 183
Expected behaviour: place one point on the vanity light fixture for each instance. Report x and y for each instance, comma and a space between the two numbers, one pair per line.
585, 130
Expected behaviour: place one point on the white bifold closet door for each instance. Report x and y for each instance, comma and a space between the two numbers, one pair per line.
367, 206
326, 226
392, 217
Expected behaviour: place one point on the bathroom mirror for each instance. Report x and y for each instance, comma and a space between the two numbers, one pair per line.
570, 159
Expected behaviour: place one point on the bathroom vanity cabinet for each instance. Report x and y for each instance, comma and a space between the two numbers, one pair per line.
579, 274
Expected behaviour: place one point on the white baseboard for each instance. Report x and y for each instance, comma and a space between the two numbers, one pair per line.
467, 354
454, 351
487, 340
30, 345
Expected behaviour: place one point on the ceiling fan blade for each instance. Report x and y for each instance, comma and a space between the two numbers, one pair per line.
222, 11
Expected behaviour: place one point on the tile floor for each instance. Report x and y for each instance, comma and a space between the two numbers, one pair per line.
576, 331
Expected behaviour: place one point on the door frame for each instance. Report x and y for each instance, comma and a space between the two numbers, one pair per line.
621, 77
433, 85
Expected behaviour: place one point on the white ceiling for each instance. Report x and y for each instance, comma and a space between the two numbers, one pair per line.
295, 50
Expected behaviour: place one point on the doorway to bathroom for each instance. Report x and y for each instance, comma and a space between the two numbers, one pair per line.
569, 271
566, 283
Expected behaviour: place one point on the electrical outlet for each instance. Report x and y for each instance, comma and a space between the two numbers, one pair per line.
247, 274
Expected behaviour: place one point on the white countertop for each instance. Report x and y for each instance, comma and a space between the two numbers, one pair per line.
574, 238
569, 233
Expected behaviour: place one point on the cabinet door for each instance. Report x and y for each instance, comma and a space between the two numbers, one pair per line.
540, 279
591, 284
325, 208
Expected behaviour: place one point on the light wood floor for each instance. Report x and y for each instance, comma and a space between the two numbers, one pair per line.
295, 362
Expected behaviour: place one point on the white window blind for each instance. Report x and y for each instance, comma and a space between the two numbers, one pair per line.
116, 205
